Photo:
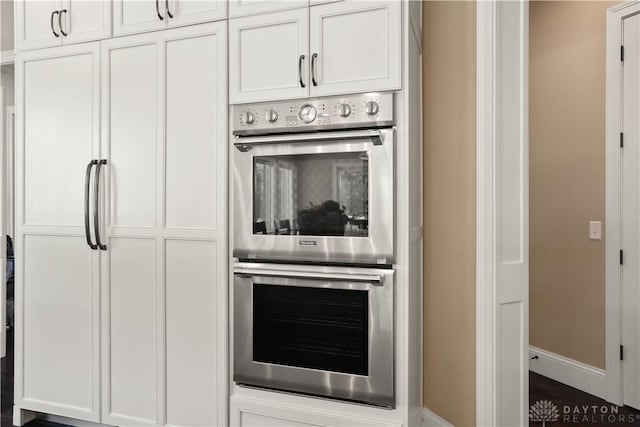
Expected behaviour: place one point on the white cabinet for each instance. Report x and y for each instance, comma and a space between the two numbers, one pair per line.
139, 16
52, 23
135, 334
164, 272
328, 49
57, 274
254, 7
269, 56
358, 47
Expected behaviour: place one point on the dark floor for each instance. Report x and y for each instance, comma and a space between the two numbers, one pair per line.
576, 408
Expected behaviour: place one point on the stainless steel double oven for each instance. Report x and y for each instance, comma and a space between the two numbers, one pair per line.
313, 211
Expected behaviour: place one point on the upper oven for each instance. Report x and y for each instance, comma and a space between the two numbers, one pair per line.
320, 192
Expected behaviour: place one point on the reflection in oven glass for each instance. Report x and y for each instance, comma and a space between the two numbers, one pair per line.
312, 194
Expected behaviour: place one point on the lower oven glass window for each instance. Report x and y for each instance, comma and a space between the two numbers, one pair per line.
323, 194
317, 328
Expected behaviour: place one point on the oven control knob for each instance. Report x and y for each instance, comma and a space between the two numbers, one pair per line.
307, 113
371, 108
248, 117
344, 110
271, 116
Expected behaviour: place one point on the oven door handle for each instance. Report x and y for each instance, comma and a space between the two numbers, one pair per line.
376, 279
245, 143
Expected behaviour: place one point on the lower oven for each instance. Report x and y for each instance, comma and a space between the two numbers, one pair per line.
324, 331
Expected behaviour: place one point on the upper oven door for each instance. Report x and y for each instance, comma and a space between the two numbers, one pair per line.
315, 197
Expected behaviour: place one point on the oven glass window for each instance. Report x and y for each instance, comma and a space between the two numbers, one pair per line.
311, 194
315, 328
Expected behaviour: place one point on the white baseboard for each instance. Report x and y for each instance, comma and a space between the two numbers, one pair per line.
568, 371
430, 419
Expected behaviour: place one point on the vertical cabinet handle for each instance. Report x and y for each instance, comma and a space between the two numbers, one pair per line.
53, 30
313, 69
87, 181
300, 61
158, 11
96, 214
166, 4
60, 22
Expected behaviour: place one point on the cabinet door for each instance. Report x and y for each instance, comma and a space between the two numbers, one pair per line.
164, 273
36, 24
255, 7
138, 16
131, 283
269, 56
194, 215
84, 21
57, 274
358, 47
187, 12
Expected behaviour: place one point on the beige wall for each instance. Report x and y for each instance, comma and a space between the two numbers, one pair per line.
567, 160
449, 209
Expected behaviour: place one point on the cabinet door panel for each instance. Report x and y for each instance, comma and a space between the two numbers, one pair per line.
247, 419
131, 288
60, 319
34, 26
138, 16
59, 129
255, 7
187, 12
192, 341
358, 46
194, 70
86, 20
264, 54
133, 126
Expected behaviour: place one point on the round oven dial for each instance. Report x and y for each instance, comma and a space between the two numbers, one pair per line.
344, 110
371, 108
307, 113
248, 117
271, 116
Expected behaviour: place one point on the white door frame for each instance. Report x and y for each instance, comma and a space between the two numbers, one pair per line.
615, 16
502, 220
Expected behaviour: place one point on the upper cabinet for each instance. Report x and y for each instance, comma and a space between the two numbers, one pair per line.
139, 16
269, 56
254, 7
355, 47
329, 49
52, 23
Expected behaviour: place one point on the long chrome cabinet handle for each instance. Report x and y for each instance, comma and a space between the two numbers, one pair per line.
158, 11
60, 22
313, 69
96, 215
87, 181
375, 278
51, 22
300, 61
166, 5
245, 143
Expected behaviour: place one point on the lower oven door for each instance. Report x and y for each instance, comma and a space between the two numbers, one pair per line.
324, 196
320, 333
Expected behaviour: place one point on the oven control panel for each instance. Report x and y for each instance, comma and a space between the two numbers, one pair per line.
305, 115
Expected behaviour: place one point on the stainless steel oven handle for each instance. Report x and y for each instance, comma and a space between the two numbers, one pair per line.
376, 279
244, 143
